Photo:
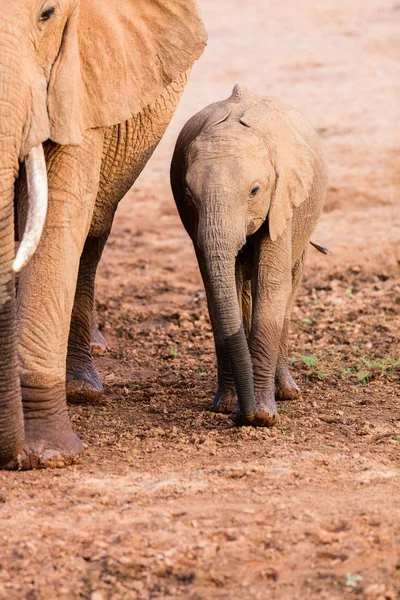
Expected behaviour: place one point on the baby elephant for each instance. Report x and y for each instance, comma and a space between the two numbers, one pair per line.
249, 179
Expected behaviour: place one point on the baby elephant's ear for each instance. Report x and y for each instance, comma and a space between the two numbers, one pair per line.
289, 136
218, 115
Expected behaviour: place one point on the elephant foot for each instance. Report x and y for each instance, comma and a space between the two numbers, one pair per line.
98, 343
224, 402
266, 414
285, 386
47, 447
84, 386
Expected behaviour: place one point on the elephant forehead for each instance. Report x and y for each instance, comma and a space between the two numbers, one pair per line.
231, 139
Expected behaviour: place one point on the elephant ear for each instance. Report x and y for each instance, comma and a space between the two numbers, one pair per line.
288, 134
219, 113
116, 57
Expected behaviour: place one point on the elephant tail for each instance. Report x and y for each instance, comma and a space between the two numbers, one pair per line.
321, 248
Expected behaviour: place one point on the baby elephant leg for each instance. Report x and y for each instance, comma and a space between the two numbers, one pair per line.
271, 292
83, 382
285, 386
98, 344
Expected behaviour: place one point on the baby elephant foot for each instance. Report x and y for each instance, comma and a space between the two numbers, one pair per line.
98, 343
285, 386
266, 414
224, 401
84, 386
47, 447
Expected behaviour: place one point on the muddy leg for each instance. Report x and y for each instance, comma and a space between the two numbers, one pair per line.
271, 289
285, 386
98, 343
45, 301
83, 382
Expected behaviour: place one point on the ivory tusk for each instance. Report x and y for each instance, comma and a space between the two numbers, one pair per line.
36, 175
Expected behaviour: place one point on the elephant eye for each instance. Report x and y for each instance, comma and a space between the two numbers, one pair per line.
188, 193
46, 14
255, 190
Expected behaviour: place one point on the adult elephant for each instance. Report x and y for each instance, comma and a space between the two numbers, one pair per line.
97, 82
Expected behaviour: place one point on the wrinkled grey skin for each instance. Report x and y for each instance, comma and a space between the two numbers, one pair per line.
249, 180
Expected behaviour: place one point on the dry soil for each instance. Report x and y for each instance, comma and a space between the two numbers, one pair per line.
171, 501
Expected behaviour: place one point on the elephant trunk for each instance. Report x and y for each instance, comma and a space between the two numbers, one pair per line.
15, 120
218, 258
11, 419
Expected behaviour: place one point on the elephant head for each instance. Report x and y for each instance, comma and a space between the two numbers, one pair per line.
67, 66
239, 165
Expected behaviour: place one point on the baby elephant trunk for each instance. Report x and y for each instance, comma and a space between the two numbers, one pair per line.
217, 262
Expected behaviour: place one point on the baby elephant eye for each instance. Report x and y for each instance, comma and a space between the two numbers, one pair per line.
255, 190
46, 14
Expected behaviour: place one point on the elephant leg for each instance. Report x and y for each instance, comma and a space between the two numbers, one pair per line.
271, 288
98, 343
246, 306
83, 382
285, 386
45, 301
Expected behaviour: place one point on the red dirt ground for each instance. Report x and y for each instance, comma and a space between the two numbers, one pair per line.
171, 501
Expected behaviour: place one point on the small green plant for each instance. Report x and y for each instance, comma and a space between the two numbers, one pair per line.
383, 363
202, 373
363, 378
173, 351
380, 364
367, 368
309, 360
349, 293
134, 386
307, 321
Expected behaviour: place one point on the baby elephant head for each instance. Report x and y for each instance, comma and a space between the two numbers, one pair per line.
229, 182
245, 166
